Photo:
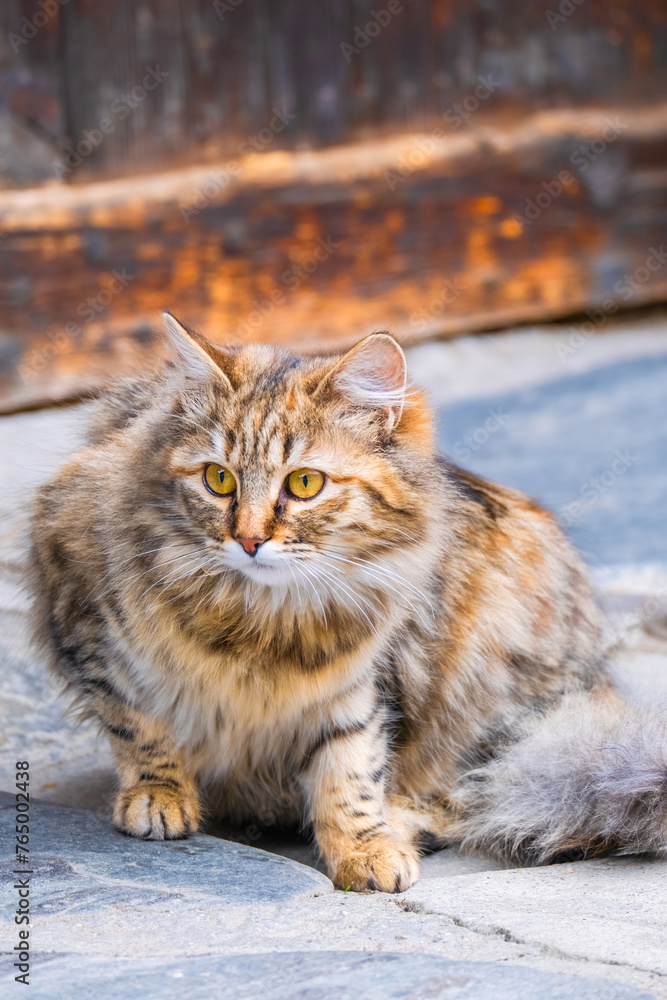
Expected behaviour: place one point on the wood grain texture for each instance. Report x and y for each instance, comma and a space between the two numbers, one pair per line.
427, 236
271, 134
346, 70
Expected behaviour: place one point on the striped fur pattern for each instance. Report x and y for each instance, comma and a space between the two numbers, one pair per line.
406, 661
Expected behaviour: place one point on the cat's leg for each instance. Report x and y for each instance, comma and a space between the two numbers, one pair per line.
345, 785
158, 797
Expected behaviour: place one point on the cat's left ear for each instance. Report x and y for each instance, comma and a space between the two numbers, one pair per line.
373, 375
197, 357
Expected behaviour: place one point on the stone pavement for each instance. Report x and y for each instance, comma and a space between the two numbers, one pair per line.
180, 910
115, 917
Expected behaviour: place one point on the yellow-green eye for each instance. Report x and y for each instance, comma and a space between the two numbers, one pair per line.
304, 484
219, 480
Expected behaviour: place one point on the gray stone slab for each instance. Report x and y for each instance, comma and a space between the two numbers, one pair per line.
78, 859
70, 763
324, 975
607, 911
485, 364
554, 439
291, 844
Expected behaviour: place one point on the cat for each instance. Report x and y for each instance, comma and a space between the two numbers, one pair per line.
280, 601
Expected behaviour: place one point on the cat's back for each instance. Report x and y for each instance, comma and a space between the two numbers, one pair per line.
69, 539
516, 587
121, 403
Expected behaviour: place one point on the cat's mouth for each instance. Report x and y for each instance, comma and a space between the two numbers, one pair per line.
259, 568
269, 574
271, 565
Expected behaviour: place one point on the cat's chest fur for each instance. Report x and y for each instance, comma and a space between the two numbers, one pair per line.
234, 710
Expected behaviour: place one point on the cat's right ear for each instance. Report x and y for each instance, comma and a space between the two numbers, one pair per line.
196, 356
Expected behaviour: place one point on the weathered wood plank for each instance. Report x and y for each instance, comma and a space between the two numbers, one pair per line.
344, 69
427, 235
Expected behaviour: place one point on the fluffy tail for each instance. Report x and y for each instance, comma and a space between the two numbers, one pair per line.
587, 779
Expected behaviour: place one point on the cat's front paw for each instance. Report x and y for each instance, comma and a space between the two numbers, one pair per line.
383, 864
154, 812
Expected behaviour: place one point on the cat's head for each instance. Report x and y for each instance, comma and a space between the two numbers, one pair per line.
301, 474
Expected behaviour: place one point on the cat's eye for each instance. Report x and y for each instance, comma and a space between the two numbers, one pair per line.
219, 480
304, 484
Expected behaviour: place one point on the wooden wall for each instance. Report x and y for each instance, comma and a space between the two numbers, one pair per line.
230, 62
280, 171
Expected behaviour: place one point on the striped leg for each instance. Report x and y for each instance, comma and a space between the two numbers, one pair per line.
345, 788
158, 798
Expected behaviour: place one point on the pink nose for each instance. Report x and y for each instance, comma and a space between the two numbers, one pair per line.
251, 544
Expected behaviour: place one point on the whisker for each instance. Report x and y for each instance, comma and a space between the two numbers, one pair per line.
167, 562
192, 585
339, 583
312, 586
383, 582
357, 561
341, 598
320, 571
296, 582
410, 538
190, 420
383, 571
362, 528
176, 559
137, 555
170, 580
143, 572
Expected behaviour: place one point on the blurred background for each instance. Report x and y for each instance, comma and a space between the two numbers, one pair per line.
304, 173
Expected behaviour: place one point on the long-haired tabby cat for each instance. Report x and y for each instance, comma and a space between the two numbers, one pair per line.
270, 590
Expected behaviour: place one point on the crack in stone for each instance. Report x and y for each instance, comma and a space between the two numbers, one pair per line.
548, 951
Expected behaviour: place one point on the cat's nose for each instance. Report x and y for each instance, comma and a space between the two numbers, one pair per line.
251, 545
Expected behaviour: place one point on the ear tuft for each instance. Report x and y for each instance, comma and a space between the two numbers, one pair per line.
373, 375
192, 350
